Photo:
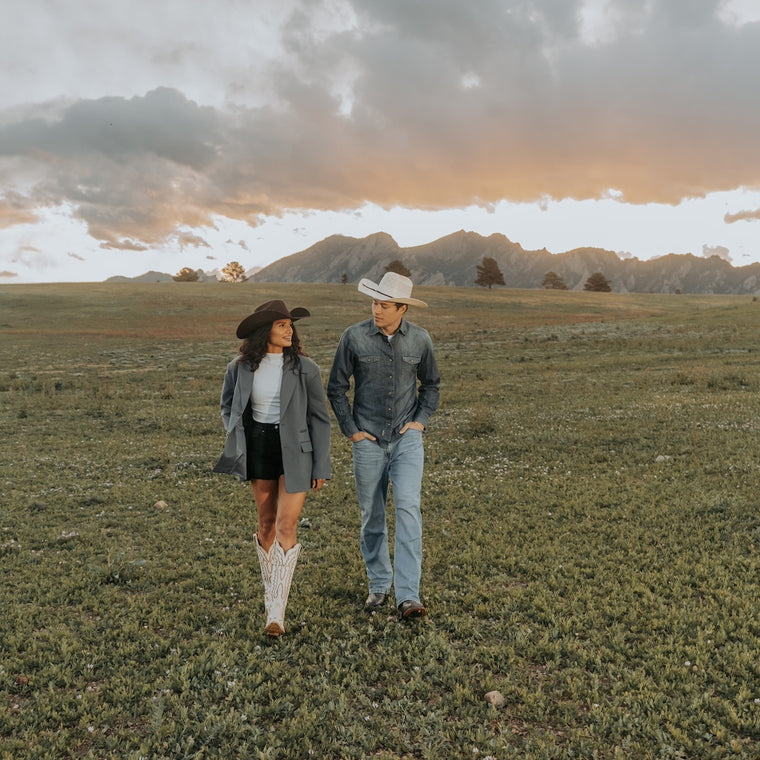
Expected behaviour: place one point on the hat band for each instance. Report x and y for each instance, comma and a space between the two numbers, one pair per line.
386, 296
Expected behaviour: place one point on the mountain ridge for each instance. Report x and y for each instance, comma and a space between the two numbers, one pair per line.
453, 260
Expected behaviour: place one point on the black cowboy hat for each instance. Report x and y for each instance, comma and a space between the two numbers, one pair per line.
267, 313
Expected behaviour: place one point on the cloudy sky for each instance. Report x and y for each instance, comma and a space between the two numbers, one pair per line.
157, 134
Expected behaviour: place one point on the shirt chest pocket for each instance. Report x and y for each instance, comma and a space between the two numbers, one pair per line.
409, 365
371, 366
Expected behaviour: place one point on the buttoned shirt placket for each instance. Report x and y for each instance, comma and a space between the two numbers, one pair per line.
390, 354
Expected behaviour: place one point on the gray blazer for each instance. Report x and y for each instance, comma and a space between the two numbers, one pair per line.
304, 423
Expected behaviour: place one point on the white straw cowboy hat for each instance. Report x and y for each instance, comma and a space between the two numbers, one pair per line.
393, 287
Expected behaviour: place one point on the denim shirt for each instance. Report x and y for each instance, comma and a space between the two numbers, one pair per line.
385, 374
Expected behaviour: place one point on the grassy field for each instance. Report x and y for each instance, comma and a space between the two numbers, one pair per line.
592, 536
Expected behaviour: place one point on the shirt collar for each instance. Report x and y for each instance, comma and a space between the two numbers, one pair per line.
375, 330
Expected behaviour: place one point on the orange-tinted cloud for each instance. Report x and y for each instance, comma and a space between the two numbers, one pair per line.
427, 105
15, 210
746, 216
716, 250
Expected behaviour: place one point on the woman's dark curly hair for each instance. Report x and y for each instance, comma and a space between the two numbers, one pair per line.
254, 348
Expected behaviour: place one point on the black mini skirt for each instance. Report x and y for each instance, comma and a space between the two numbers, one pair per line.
263, 451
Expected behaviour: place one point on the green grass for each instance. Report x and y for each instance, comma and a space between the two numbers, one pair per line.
592, 536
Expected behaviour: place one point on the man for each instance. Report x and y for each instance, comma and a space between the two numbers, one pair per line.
387, 356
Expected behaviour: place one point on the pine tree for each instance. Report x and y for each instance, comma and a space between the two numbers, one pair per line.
552, 281
398, 267
489, 273
597, 283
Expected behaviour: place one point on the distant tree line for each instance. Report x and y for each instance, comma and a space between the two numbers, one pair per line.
488, 275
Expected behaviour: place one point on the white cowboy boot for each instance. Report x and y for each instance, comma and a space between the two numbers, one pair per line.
265, 563
283, 566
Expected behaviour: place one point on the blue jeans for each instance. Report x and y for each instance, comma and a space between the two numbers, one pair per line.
399, 463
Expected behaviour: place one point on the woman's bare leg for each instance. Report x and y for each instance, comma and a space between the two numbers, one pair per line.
265, 494
288, 510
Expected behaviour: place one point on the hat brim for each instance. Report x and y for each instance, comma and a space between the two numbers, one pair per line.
260, 318
370, 288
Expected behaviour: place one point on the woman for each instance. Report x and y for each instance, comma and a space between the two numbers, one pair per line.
278, 438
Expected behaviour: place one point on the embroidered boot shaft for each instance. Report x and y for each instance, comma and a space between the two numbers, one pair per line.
283, 567
266, 558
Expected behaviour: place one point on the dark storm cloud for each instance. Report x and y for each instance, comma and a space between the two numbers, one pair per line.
163, 123
414, 103
134, 169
